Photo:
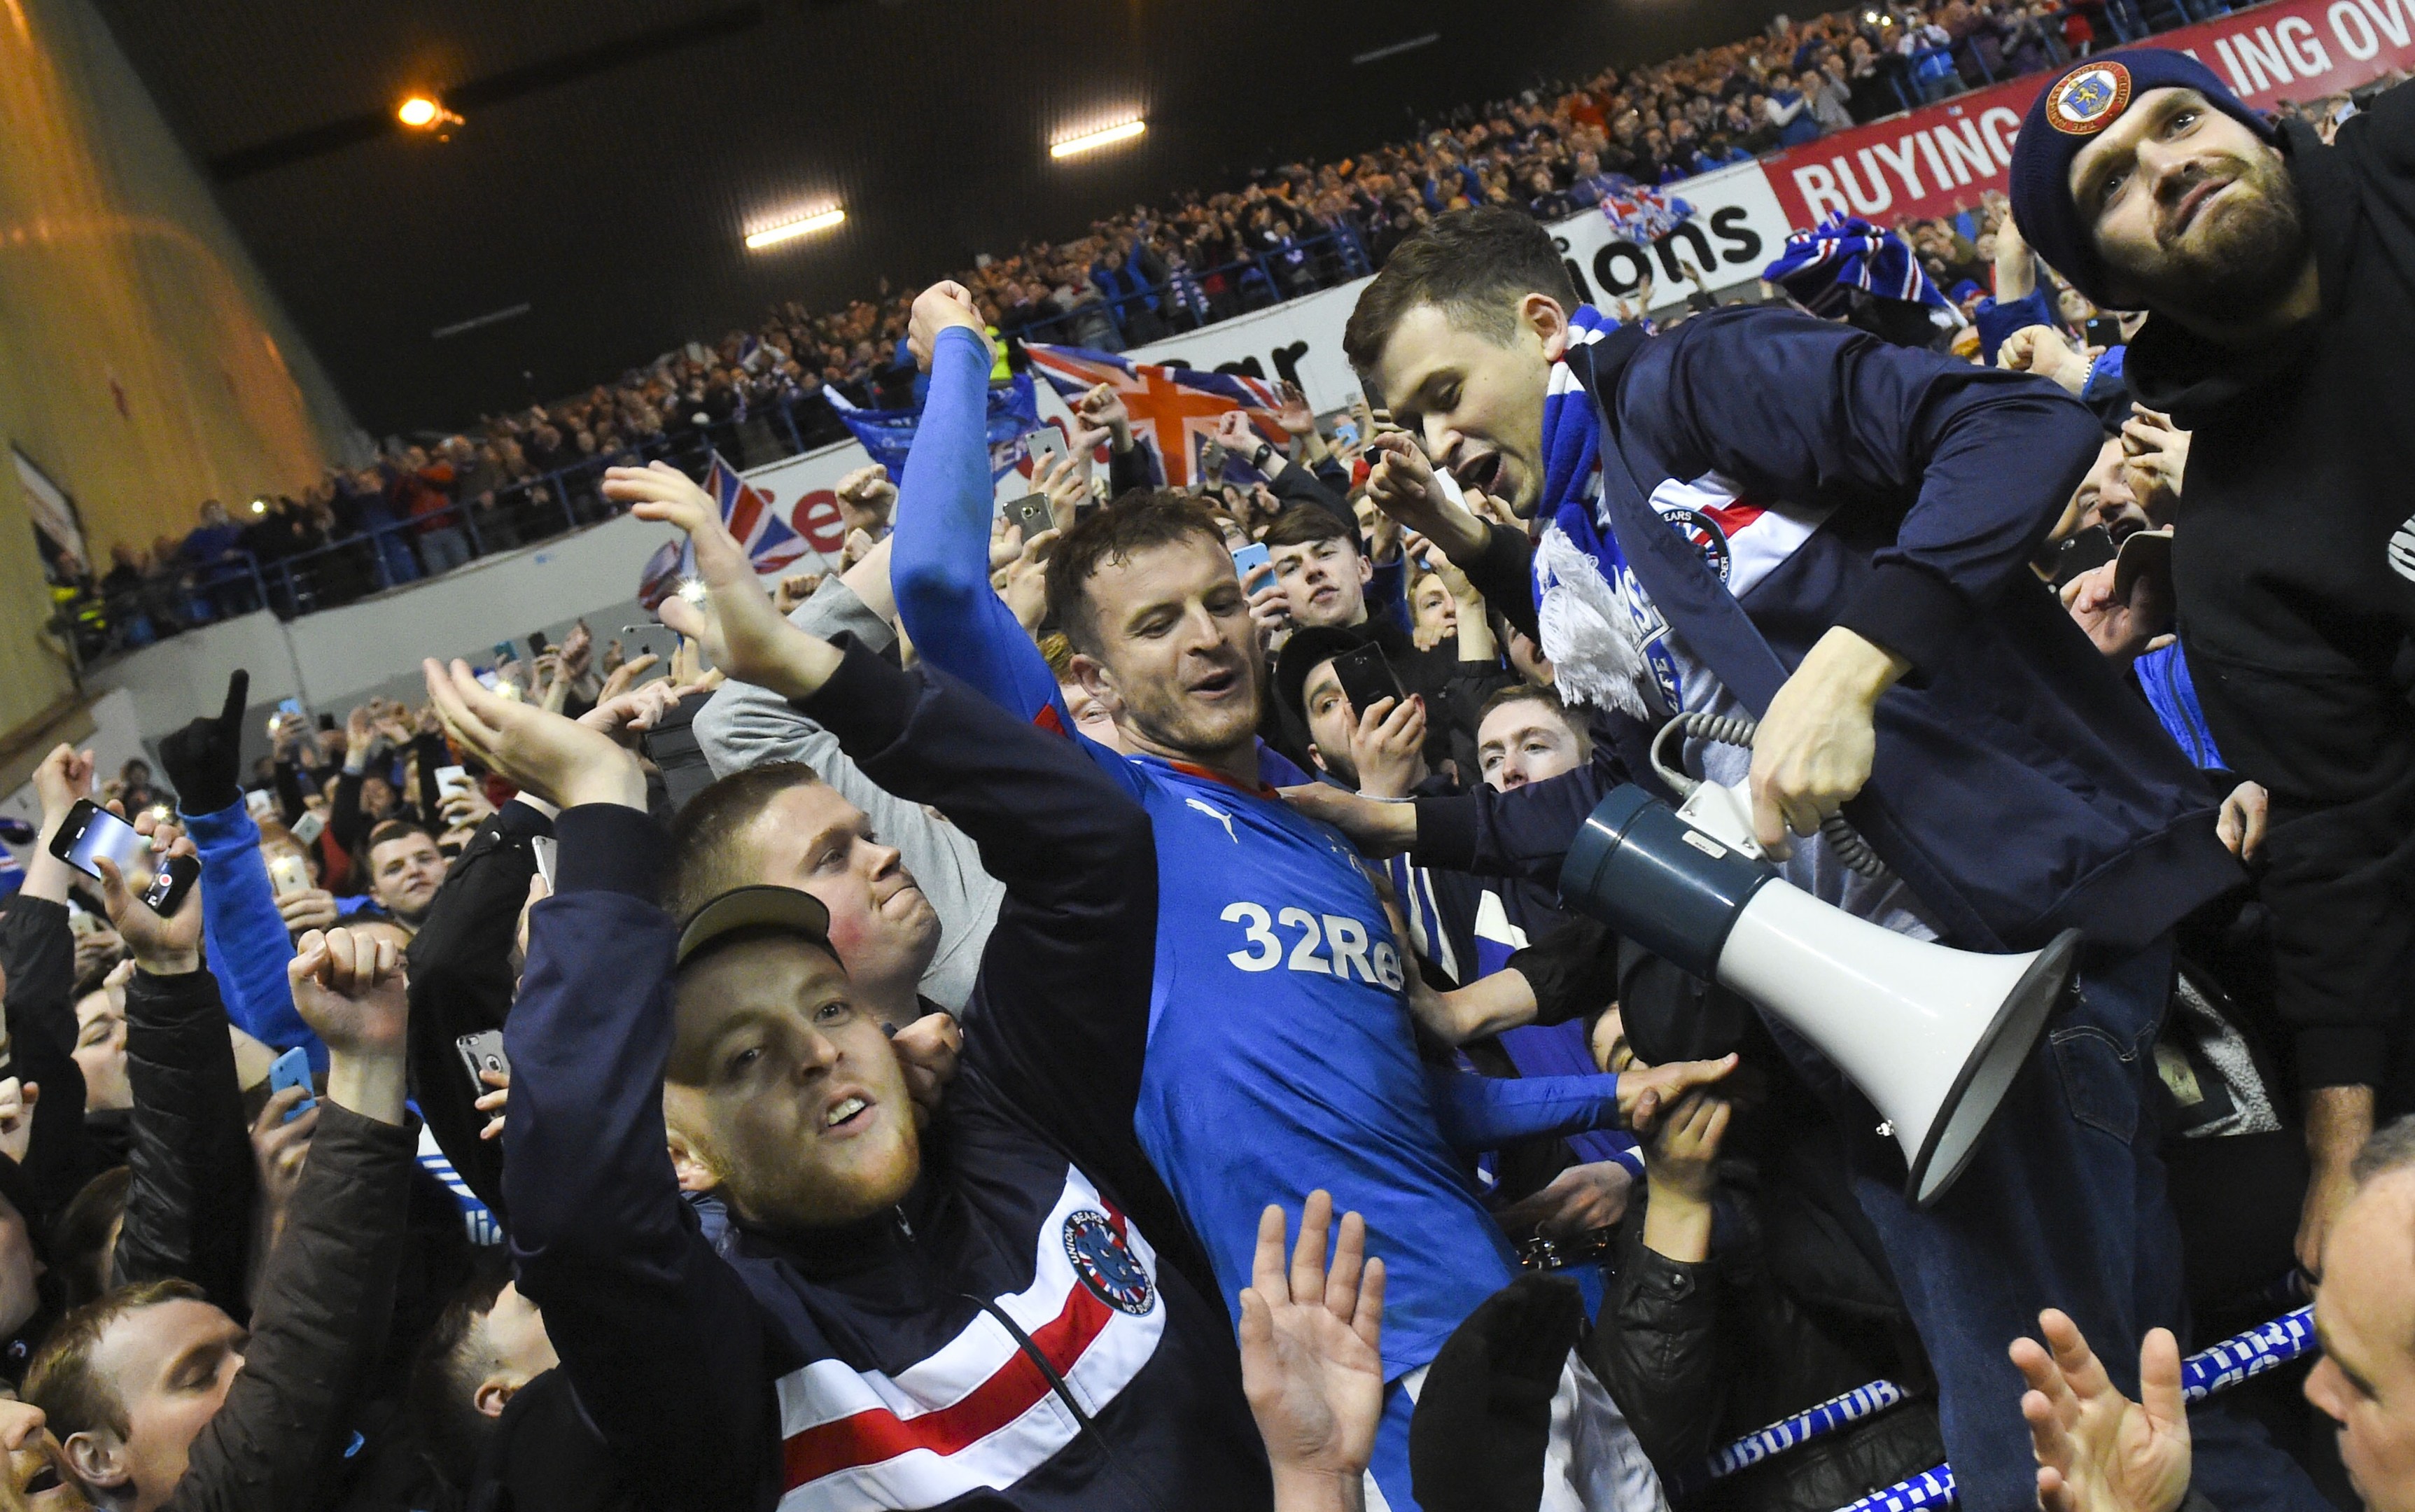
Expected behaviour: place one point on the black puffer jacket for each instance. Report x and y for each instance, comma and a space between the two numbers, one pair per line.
189, 1208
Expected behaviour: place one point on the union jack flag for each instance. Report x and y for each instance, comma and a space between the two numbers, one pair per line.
768, 541
1174, 410
1643, 215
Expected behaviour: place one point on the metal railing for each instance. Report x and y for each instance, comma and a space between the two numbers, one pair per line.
384, 552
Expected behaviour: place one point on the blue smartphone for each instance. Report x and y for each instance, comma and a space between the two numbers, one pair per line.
292, 1069
1249, 559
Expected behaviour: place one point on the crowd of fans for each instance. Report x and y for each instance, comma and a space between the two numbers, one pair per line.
884, 1056
1134, 278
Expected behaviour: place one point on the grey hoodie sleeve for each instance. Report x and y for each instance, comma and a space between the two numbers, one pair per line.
745, 726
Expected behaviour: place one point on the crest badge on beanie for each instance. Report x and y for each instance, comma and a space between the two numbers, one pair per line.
2082, 102
2088, 99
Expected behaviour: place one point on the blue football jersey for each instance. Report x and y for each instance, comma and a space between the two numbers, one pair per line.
1281, 1056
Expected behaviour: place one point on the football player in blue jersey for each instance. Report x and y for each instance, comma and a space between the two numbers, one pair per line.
1280, 1054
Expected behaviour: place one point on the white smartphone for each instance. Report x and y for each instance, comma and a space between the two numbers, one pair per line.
451, 780
288, 873
1044, 445
546, 849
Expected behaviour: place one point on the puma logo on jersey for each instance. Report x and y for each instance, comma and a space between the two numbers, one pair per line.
1216, 814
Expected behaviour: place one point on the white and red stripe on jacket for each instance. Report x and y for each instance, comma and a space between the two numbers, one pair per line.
978, 1414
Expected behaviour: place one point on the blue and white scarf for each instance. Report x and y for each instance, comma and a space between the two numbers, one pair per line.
1608, 645
1844, 252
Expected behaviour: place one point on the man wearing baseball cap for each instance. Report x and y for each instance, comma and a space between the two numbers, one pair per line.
2279, 278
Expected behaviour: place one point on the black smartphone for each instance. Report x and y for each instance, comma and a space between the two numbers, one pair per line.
1032, 514
90, 832
1366, 678
482, 1053
538, 645
2103, 331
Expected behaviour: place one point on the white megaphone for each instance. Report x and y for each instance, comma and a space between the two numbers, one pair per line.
1932, 1036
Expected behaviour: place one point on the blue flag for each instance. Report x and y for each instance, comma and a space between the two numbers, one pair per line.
888, 434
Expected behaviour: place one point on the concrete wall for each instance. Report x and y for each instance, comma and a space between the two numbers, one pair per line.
335, 659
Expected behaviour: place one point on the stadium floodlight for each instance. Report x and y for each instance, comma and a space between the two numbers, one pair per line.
1091, 141
790, 230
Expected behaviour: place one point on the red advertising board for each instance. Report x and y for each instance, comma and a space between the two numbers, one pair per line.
1939, 159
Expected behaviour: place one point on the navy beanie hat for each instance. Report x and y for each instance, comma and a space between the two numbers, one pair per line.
2083, 100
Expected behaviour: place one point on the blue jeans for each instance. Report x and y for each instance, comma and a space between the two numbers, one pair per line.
2064, 1206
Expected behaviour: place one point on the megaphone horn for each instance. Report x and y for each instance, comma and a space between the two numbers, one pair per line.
1932, 1036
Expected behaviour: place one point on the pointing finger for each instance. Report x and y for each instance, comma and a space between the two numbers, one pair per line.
238, 694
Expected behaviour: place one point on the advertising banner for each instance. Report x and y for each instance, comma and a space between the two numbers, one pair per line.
1942, 159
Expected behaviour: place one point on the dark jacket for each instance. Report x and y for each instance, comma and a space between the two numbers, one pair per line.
2295, 581
545, 1456
1697, 1355
189, 1208
2020, 786
323, 1300
37, 952
462, 985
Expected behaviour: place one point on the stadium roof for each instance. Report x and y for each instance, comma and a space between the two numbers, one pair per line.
616, 152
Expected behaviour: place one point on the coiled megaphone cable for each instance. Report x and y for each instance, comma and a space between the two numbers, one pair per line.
1843, 840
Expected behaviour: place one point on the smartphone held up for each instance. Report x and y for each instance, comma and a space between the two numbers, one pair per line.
90, 832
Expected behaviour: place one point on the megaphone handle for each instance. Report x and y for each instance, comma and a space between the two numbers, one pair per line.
1844, 841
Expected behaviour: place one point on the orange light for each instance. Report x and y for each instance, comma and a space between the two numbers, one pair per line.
419, 110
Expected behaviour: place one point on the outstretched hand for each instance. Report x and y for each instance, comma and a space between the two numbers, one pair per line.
1312, 1360
2098, 1450
557, 758
734, 620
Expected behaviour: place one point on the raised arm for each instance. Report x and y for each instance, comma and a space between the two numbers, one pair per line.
945, 501
462, 983
327, 1296
38, 956
1065, 979
189, 1208
659, 1334
248, 939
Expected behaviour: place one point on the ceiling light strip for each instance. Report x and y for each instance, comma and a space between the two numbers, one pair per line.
790, 230
1094, 140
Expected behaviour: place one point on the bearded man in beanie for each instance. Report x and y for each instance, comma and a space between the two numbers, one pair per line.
2279, 278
